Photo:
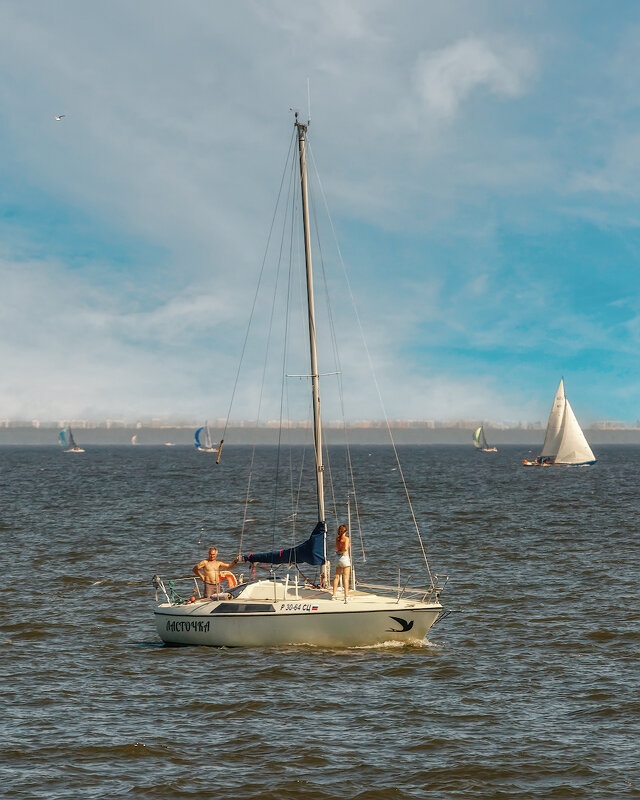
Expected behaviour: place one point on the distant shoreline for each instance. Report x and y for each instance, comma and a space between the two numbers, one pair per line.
404, 435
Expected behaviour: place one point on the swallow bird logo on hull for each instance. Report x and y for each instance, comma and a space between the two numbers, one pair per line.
406, 626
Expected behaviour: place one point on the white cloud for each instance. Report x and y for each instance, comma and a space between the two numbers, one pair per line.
447, 77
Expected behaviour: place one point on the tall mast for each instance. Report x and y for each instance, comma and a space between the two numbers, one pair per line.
317, 430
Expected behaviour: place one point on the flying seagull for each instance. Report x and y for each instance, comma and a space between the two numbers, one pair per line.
59, 117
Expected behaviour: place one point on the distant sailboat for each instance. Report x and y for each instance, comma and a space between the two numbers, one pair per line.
67, 442
480, 442
564, 441
203, 441
134, 439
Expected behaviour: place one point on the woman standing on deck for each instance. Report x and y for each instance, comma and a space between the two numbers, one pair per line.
343, 564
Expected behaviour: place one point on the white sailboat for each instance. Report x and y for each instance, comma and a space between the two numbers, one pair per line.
67, 442
134, 439
480, 442
203, 443
564, 442
292, 609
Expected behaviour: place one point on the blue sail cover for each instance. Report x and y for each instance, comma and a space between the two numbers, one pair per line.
309, 552
198, 432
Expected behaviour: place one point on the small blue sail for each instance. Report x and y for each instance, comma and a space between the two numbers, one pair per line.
198, 432
62, 438
309, 552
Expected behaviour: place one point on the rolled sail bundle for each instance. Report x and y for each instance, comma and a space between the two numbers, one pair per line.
309, 552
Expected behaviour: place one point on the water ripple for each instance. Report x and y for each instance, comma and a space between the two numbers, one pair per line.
530, 692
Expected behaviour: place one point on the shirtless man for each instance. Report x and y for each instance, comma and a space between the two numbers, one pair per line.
211, 568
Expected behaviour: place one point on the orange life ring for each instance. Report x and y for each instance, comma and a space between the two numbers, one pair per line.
229, 577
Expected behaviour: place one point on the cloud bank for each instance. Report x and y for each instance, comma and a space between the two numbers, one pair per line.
479, 163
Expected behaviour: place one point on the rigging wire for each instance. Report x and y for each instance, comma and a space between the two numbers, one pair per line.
349, 474
290, 164
295, 492
259, 411
327, 458
260, 276
301, 299
285, 346
373, 372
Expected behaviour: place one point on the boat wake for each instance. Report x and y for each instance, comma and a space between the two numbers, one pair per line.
392, 644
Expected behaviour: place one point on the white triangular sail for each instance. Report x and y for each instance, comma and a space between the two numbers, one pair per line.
483, 439
573, 448
207, 437
553, 435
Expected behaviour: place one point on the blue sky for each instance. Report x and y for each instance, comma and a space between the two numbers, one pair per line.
481, 161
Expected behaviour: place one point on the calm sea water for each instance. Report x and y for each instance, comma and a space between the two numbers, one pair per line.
529, 690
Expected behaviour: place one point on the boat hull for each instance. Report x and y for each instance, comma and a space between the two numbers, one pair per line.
302, 622
527, 463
